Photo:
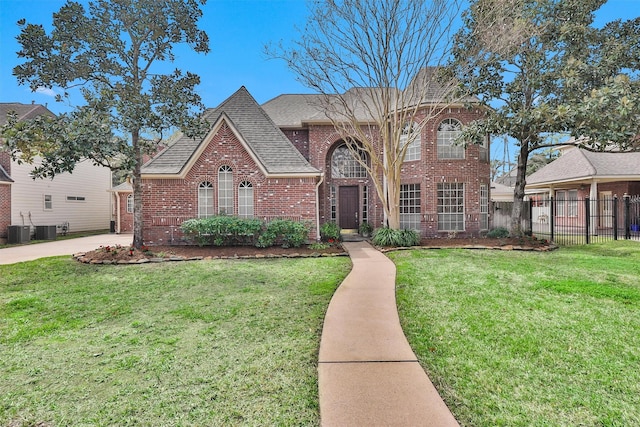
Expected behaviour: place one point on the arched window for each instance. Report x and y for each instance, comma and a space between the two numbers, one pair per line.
344, 164
448, 131
130, 203
205, 199
245, 200
225, 190
411, 135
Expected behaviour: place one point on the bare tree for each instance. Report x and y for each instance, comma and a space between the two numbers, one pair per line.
376, 66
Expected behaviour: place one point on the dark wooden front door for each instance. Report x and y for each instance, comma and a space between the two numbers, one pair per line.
348, 207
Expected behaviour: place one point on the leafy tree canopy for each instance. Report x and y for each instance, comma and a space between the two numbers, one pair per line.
546, 70
110, 52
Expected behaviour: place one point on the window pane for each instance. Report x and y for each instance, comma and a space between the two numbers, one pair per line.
484, 207
411, 132
450, 206
205, 199
448, 131
225, 191
344, 165
410, 206
130, 203
245, 200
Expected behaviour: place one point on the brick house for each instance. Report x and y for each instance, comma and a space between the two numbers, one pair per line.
285, 159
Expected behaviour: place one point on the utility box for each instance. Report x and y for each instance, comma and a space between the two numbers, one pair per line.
45, 232
18, 234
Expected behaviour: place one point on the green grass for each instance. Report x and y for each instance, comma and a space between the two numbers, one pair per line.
185, 344
528, 339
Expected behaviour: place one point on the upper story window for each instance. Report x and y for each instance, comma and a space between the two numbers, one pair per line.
205, 199
76, 198
345, 165
484, 149
225, 190
411, 135
448, 131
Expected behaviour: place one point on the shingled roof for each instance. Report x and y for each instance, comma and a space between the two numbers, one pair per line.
24, 111
578, 164
266, 142
4, 176
295, 110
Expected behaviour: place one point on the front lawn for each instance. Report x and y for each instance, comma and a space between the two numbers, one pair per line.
528, 339
191, 343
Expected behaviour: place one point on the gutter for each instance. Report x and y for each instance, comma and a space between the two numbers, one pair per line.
318, 206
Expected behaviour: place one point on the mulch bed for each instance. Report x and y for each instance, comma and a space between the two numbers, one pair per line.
123, 255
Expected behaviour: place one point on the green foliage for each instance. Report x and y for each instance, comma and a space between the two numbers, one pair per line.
365, 228
330, 231
388, 237
285, 232
222, 230
111, 50
498, 233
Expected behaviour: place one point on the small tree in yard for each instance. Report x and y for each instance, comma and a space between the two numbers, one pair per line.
546, 70
110, 52
375, 65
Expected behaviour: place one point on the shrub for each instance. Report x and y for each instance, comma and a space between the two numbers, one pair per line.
393, 238
222, 230
285, 232
330, 231
498, 233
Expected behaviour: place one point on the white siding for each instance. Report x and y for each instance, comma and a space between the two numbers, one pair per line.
87, 180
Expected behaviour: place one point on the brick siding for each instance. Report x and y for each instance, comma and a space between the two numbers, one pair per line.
168, 202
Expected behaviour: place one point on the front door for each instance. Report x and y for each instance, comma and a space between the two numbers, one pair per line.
348, 207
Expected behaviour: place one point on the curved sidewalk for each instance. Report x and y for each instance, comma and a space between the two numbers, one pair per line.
61, 247
367, 372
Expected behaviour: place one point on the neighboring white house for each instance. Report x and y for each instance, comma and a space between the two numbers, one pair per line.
77, 201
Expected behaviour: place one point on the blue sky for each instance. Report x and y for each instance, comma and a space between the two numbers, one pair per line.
238, 31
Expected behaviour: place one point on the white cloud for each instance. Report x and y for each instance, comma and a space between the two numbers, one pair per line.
46, 91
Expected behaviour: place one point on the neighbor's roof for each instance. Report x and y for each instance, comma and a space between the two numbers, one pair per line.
578, 164
269, 146
24, 111
4, 176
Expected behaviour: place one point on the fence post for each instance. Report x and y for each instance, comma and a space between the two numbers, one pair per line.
587, 218
615, 217
552, 214
627, 216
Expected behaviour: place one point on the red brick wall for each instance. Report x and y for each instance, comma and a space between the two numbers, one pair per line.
5, 161
5, 209
126, 218
168, 202
428, 172
300, 140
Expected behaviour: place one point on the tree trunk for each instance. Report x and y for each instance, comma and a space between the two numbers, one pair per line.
138, 237
518, 193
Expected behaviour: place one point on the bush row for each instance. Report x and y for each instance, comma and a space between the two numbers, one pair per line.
224, 230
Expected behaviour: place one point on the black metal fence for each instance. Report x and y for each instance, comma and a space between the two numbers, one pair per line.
574, 221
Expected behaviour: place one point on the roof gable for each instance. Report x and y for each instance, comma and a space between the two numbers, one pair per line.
269, 147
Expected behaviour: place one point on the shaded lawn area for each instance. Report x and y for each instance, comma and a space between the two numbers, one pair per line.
191, 343
528, 339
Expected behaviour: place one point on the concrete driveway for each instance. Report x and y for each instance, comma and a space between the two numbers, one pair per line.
62, 247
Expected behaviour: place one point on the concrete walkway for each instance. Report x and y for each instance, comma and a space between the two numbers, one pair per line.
62, 247
368, 374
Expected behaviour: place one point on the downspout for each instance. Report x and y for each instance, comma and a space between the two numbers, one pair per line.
117, 212
318, 206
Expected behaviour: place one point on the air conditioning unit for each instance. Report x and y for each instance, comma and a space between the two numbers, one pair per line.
45, 232
18, 234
